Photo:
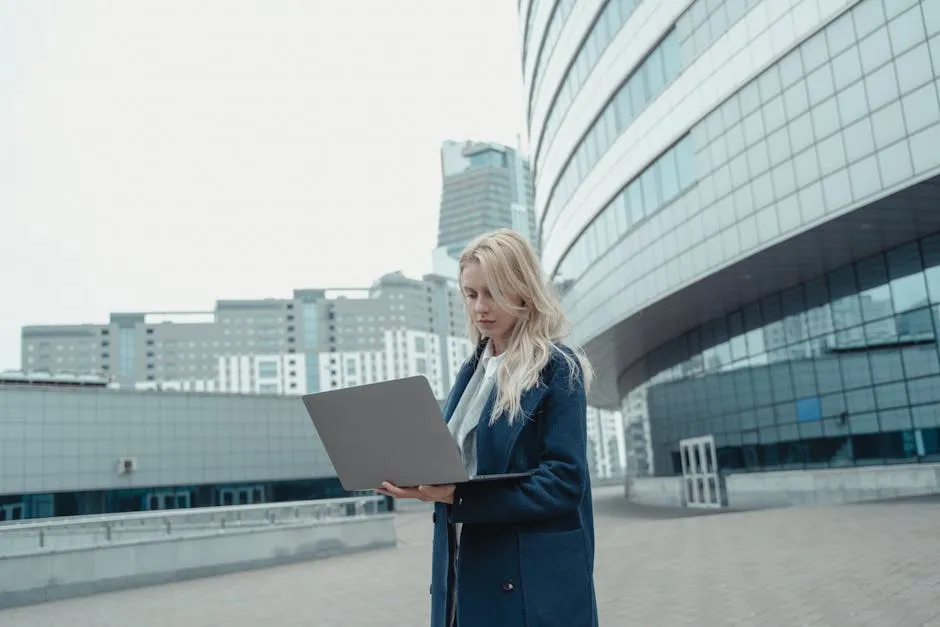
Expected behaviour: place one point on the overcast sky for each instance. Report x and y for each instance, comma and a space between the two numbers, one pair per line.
158, 155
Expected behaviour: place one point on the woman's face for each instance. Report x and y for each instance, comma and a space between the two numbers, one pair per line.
492, 321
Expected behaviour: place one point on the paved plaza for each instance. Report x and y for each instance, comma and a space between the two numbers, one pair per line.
876, 564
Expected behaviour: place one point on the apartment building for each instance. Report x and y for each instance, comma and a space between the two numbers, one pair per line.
317, 340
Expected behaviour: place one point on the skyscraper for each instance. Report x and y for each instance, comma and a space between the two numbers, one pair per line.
485, 186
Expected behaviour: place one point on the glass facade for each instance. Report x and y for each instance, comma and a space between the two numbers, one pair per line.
527, 39
605, 28
841, 370
654, 188
559, 16
645, 83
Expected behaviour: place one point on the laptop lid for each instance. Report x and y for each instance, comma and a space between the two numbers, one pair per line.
388, 431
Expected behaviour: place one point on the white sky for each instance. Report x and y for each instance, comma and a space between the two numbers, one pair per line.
162, 154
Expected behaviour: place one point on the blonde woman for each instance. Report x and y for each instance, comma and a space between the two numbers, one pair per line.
514, 552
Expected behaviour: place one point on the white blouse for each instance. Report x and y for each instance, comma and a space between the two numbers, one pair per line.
469, 410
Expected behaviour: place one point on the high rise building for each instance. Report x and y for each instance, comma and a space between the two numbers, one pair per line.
317, 340
739, 202
606, 449
485, 186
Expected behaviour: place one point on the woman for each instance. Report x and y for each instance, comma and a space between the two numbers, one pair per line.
515, 551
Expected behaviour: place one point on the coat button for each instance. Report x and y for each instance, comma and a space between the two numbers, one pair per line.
434, 518
508, 586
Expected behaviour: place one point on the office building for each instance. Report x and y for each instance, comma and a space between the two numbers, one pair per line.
75, 446
739, 201
485, 186
317, 340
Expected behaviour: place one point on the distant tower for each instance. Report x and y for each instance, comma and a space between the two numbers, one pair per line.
485, 186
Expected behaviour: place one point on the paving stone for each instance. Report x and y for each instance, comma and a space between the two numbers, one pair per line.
873, 564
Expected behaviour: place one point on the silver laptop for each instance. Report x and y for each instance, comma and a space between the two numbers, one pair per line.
390, 431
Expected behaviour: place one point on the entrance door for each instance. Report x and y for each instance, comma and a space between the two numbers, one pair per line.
700, 472
12, 511
241, 496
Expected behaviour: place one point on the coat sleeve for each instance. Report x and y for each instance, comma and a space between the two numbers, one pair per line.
559, 482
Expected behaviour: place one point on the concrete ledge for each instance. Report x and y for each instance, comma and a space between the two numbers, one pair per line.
411, 505
829, 486
657, 491
57, 574
824, 486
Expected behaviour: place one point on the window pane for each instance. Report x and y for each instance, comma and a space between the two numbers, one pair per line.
591, 151
931, 250
623, 209
671, 61
685, 162
635, 192
653, 68
611, 19
874, 293
611, 132
669, 175
592, 47
617, 209
650, 191
614, 14
624, 108
845, 311
637, 88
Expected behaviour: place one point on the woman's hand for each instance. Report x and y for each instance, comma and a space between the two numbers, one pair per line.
426, 493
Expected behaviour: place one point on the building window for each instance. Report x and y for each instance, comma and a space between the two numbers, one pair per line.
268, 369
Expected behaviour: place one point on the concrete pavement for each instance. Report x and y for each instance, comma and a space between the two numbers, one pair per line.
875, 564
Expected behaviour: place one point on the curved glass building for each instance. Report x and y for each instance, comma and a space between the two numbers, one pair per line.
739, 201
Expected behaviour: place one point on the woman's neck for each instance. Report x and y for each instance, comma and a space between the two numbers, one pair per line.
498, 345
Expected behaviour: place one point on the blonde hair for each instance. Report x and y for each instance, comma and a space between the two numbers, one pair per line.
510, 268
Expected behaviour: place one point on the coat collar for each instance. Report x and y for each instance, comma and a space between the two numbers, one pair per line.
494, 442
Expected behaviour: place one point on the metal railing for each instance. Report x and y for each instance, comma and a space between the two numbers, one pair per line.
74, 532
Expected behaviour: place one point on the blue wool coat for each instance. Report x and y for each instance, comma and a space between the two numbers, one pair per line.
526, 554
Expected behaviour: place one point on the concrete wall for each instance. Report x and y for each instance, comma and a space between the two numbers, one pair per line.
825, 486
831, 486
658, 491
39, 576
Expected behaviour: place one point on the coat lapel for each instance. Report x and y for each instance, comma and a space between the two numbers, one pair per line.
496, 442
